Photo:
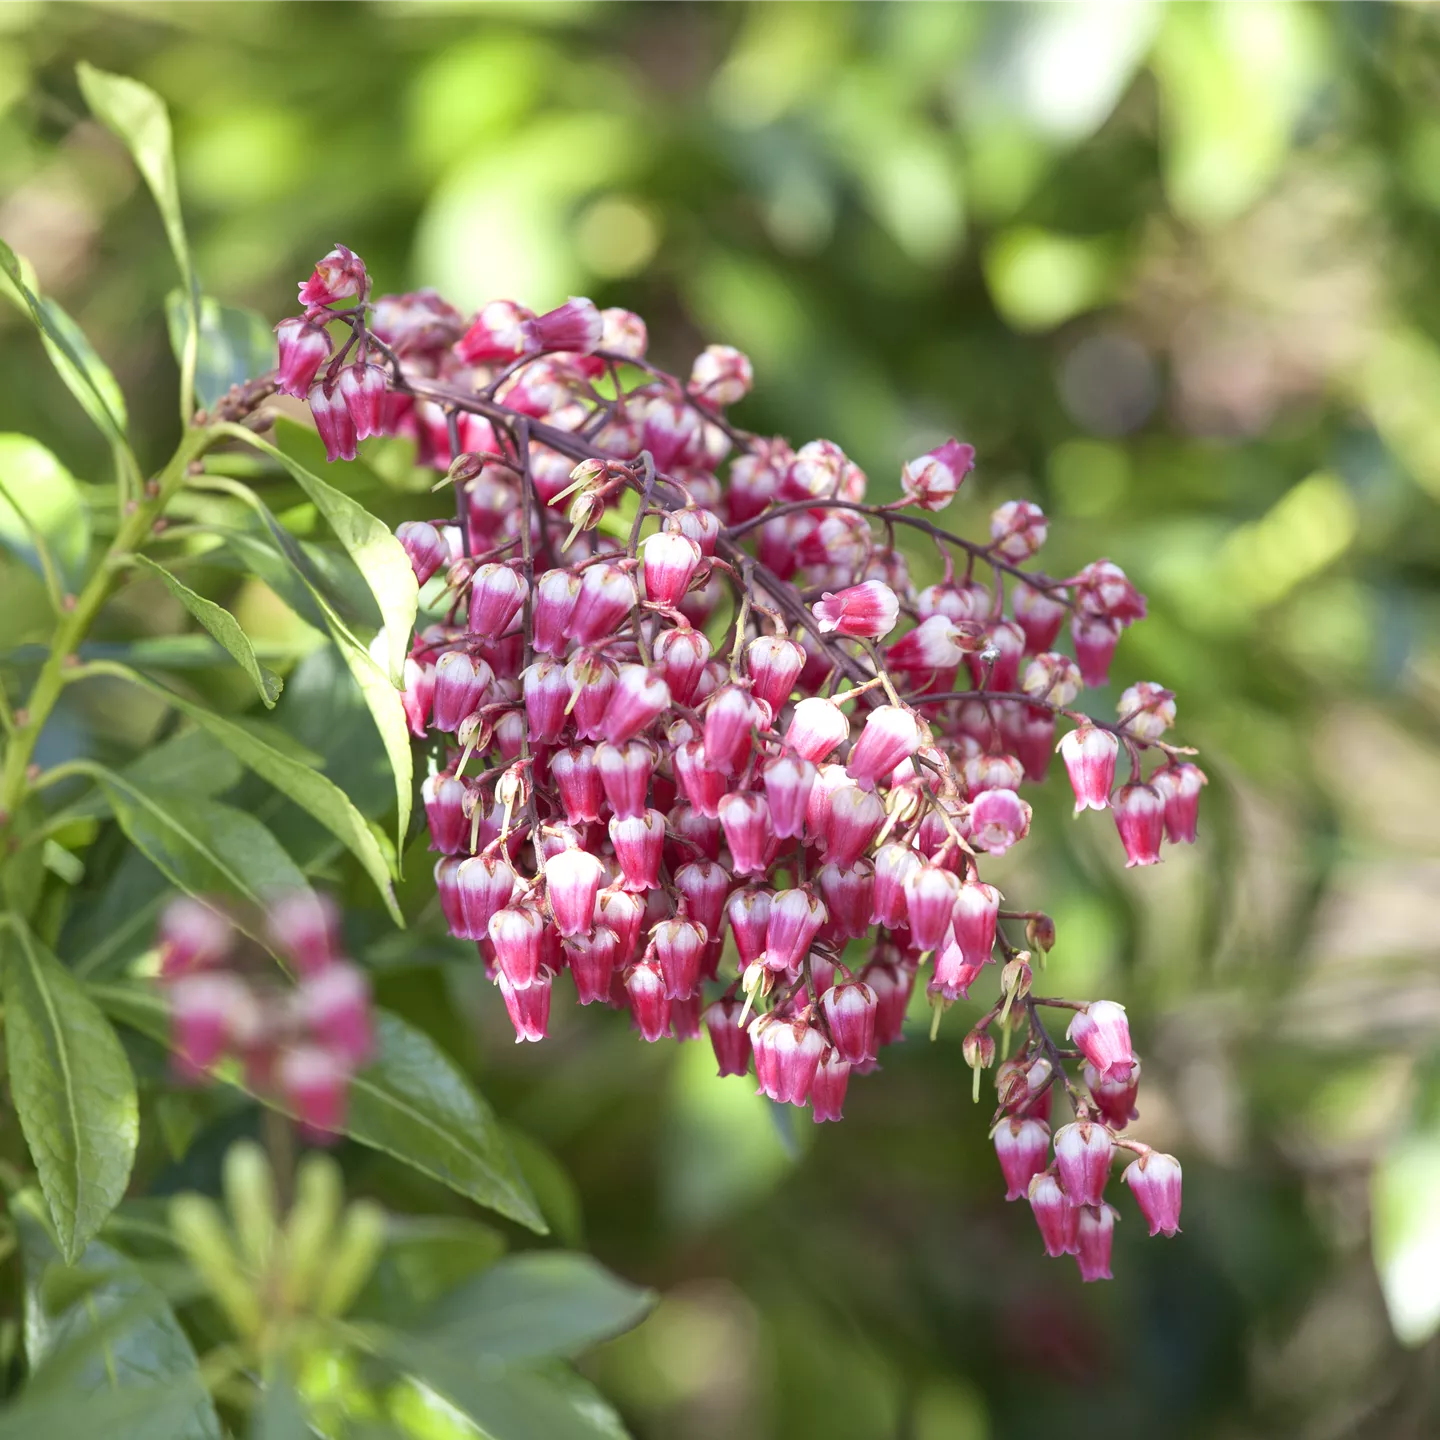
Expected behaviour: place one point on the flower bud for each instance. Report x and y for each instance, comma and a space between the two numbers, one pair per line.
1039, 613
314, 1082
855, 817
639, 842
1180, 785
817, 727
670, 564
192, 937
498, 333
1101, 1032
1023, 1148
1058, 1220
592, 959
849, 895
640, 698
1089, 755
720, 376
850, 1011
460, 685
418, 696
1094, 1235
1016, 978
1040, 932
572, 883
679, 945
1140, 818
703, 786
869, 610
362, 388
623, 333
304, 348
445, 800
1102, 588
625, 772
745, 818
496, 594
209, 1012
334, 1006
556, 595
748, 912
649, 1000
425, 546
339, 276
704, 886
578, 783
788, 782
977, 909
1154, 1180
624, 913
978, 1049
931, 480
795, 918
527, 1005
773, 664
1095, 638
998, 820
333, 422
1147, 710
930, 896
730, 1039
592, 684
483, 885
575, 327
607, 595
697, 523
1083, 1151
827, 1089
891, 734
1114, 1098
787, 1054
682, 655
1017, 529
729, 717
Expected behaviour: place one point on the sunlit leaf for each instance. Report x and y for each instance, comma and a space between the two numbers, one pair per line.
72, 1089
86, 376
223, 626
369, 542
42, 517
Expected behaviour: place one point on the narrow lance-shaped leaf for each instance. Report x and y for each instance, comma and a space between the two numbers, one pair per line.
412, 1102
223, 626
72, 1088
137, 115
368, 541
43, 518
296, 780
205, 848
86, 376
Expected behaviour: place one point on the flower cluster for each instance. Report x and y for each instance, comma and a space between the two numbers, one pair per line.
678, 685
300, 1043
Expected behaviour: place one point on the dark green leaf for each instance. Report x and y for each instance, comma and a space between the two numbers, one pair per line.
72, 1088
531, 1306
146, 1348
369, 542
425, 1256
294, 779
222, 625
42, 517
200, 845
84, 373
235, 345
150, 1412
411, 1102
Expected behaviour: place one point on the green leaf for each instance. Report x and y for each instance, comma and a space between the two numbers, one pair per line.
72, 1088
536, 1305
149, 1412
1406, 1235
43, 519
148, 1349
368, 541
425, 1256
222, 625
137, 115
234, 346
204, 847
86, 376
280, 1415
509, 1404
294, 779
411, 1102
382, 700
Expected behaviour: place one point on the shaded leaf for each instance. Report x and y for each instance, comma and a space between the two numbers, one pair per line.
368, 541
536, 1305
72, 1088
200, 845
147, 1349
280, 1415
292, 777
223, 626
234, 346
43, 519
425, 1256
86, 376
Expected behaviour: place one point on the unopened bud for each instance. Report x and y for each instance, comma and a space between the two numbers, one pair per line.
250, 1197
353, 1258
464, 468
979, 1052
309, 1226
1040, 932
200, 1230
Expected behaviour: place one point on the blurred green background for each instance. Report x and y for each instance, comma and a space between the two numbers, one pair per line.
1172, 270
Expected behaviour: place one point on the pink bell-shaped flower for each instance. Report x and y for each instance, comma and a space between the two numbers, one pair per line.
1154, 1180
730, 1039
639, 842
1023, 1148
1101, 1032
827, 1089
527, 1005
1140, 818
1083, 1151
850, 1010
1180, 786
1057, 1219
866, 611
572, 882
304, 347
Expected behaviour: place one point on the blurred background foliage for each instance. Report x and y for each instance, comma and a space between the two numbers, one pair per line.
1171, 269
